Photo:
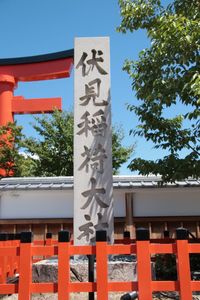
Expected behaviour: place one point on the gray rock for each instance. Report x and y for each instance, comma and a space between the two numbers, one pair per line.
47, 271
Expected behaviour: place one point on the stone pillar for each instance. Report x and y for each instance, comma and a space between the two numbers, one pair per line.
93, 183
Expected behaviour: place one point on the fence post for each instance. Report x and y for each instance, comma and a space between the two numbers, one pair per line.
91, 260
25, 266
101, 265
18, 236
183, 264
166, 234
48, 240
3, 259
127, 237
12, 259
143, 264
17, 239
63, 265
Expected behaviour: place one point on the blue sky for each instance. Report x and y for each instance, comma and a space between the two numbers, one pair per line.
32, 27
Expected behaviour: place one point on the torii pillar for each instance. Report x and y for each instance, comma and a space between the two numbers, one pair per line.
7, 84
41, 67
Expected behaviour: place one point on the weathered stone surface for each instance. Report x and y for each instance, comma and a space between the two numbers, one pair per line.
92, 140
74, 296
83, 296
47, 271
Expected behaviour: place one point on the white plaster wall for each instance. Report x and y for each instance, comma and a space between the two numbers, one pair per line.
167, 202
119, 203
59, 203
36, 204
46, 204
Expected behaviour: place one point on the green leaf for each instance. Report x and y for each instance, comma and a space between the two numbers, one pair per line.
166, 81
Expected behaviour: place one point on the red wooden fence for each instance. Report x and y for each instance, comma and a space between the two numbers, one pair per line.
17, 256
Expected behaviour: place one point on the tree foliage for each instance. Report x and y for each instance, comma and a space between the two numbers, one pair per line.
11, 161
52, 155
120, 154
166, 78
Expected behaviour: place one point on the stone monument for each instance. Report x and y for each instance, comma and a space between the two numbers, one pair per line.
93, 195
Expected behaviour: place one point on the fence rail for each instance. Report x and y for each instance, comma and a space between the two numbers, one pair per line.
17, 256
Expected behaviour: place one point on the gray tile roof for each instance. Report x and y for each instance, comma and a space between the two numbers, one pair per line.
60, 183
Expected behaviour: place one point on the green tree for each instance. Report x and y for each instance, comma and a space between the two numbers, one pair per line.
120, 154
26, 166
52, 155
12, 162
166, 79
10, 143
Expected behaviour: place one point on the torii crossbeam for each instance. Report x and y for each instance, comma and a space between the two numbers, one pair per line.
41, 67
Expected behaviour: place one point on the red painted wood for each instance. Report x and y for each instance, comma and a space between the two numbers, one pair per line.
22, 254
11, 74
144, 270
25, 277
54, 69
102, 270
35, 106
183, 268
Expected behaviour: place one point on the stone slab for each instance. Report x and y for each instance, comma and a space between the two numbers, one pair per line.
47, 271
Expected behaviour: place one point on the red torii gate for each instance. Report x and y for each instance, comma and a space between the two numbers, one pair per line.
41, 67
